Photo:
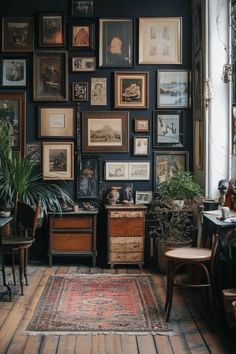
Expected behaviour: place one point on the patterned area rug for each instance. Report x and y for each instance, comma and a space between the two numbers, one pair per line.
102, 303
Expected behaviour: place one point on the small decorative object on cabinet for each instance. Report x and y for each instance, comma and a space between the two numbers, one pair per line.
113, 195
126, 230
73, 233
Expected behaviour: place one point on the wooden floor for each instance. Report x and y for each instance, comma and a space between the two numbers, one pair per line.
195, 331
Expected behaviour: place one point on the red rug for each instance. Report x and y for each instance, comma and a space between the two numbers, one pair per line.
100, 303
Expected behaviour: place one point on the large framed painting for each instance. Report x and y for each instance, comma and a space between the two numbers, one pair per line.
88, 177
160, 40
168, 128
12, 111
116, 42
17, 34
131, 90
167, 163
51, 30
173, 89
50, 76
105, 131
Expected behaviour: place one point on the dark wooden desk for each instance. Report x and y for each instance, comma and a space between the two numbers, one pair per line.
3, 222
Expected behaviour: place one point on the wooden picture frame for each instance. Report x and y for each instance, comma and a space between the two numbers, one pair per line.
83, 64
141, 125
55, 122
81, 8
116, 42
14, 72
17, 34
143, 197
82, 36
50, 76
13, 111
105, 131
80, 91
131, 90
160, 40
166, 163
98, 94
168, 128
58, 160
51, 29
141, 145
173, 88
88, 178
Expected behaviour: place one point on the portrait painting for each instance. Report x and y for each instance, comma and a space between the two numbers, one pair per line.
82, 36
14, 72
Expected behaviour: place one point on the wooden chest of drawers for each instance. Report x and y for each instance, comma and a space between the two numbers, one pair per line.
73, 233
126, 231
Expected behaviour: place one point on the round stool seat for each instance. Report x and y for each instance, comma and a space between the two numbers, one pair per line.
189, 254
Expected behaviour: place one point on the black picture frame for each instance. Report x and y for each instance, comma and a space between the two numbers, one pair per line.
80, 91
51, 29
88, 178
168, 128
82, 36
17, 34
80, 8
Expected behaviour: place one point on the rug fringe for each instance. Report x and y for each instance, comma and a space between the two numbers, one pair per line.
61, 333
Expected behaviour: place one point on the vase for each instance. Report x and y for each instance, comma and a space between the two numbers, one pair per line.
113, 196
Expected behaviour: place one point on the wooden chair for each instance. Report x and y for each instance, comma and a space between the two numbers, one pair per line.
199, 257
21, 238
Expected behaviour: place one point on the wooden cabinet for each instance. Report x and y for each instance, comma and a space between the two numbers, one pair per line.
126, 231
73, 233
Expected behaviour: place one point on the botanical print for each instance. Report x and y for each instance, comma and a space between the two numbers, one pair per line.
168, 128
105, 132
98, 91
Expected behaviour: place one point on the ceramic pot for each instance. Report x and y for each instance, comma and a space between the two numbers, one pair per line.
113, 196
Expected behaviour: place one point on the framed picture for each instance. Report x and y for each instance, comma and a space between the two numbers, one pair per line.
198, 86
50, 76
17, 34
115, 42
33, 153
98, 95
80, 8
167, 163
12, 111
88, 177
139, 170
173, 89
116, 170
131, 90
141, 146
141, 125
105, 131
160, 40
14, 72
143, 197
197, 33
51, 30
80, 64
56, 122
168, 128
80, 91
82, 36
58, 160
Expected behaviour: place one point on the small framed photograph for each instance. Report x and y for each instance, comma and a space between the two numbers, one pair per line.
142, 125
173, 89
58, 160
116, 171
141, 146
56, 122
82, 36
160, 40
88, 177
83, 64
105, 131
50, 76
167, 163
81, 8
13, 111
33, 153
98, 96
14, 72
139, 170
115, 42
51, 30
80, 91
168, 128
143, 197
17, 34
131, 90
